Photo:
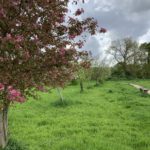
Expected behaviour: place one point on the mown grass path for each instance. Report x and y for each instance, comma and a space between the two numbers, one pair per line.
113, 116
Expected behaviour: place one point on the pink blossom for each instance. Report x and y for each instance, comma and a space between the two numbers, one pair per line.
103, 30
20, 99
80, 44
62, 51
8, 36
1, 87
72, 36
61, 20
14, 93
19, 38
2, 13
10, 88
79, 12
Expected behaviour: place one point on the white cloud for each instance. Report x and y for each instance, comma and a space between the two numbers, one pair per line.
145, 37
103, 5
104, 41
126, 18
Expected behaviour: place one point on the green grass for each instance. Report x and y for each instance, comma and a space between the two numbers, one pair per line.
113, 116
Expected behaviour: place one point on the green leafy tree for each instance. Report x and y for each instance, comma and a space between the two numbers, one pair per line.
100, 70
125, 52
146, 48
145, 59
83, 70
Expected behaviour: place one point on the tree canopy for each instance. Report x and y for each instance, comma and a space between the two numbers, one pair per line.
34, 40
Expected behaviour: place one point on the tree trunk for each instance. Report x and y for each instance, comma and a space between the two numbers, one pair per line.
125, 69
81, 86
3, 127
97, 82
60, 94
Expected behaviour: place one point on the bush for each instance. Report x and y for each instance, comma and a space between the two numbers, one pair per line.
74, 82
100, 74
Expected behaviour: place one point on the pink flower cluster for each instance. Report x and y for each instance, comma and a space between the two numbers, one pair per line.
2, 13
72, 36
1, 87
15, 95
61, 18
103, 30
80, 44
79, 12
8, 36
12, 94
62, 52
17, 38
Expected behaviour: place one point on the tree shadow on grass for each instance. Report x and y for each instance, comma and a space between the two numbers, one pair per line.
65, 103
15, 145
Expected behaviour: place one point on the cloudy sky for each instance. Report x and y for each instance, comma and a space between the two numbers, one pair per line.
122, 18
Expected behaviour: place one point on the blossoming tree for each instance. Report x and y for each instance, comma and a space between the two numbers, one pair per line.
34, 40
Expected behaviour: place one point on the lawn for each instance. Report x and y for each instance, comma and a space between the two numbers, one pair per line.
113, 116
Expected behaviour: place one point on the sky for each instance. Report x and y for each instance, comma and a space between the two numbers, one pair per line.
121, 18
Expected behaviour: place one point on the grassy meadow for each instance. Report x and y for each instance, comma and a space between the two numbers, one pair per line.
113, 116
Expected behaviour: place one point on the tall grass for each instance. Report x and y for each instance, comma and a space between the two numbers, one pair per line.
113, 116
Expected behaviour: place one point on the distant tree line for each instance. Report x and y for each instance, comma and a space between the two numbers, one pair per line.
133, 59
97, 72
